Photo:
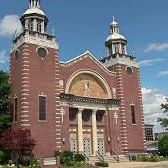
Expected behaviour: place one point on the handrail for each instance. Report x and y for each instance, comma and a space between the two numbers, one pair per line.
100, 156
86, 157
115, 156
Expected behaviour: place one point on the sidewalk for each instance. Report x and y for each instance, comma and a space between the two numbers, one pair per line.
163, 164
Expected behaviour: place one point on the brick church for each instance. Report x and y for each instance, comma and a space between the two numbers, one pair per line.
84, 105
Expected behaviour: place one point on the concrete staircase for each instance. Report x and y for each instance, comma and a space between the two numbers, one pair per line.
108, 159
49, 162
123, 158
93, 160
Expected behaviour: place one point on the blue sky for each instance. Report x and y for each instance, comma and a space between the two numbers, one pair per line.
84, 24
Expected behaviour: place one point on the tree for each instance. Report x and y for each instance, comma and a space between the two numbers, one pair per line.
163, 146
164, 121
5, 104
18, 142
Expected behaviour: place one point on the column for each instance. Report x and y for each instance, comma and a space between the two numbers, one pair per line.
80, 131
35, 25
42, 27
94, 132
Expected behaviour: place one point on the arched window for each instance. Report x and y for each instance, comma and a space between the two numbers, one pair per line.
38, 25
30, 24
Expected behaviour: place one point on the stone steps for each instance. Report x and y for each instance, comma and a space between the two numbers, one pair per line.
93, 160
108, 159
123, 158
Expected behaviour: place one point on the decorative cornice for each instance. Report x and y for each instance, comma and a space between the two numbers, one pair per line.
34, 39
124, 60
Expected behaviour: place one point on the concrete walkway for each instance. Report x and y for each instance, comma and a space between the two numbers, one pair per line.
163, 164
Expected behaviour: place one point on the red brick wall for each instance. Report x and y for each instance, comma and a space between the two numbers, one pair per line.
42, 77
130, 92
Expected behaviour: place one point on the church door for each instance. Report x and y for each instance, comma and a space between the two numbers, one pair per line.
73, 145
101, 144
87, 147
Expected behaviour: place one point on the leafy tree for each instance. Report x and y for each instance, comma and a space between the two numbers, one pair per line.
18, 142
164, 121
163, 145
5, 104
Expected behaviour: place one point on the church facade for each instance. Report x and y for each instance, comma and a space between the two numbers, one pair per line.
84, 105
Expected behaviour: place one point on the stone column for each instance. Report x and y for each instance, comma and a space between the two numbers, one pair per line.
42, 27
80, 131
94, 132
35, 25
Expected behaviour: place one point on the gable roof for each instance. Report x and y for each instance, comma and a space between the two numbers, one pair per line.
87, 52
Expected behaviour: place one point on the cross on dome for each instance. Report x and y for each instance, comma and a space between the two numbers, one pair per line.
114, 26
34, 3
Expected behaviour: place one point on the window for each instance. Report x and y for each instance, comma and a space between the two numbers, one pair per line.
133, 114
42, 52
38, 25
42, 108
16, 55
116, 48
99, 116
149, 133
86, 115
30, 25
129, 70
15, 109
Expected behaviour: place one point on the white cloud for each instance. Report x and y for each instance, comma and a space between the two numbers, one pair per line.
3, 57
157, 47
163, 73
9, 24
152, 100
150, 62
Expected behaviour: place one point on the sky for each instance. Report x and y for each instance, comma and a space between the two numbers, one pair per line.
84, 24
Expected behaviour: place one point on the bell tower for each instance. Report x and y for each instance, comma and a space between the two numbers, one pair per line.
115, 43
128, 90
34, 19
34, 75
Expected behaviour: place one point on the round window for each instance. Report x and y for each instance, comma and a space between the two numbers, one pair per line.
42, 52
129, 70
16, 55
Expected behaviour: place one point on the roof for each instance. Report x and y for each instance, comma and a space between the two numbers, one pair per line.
34, 10
115, 36
95, 59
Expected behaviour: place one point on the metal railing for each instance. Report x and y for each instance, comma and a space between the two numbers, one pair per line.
115, 156
86, 157
100, 156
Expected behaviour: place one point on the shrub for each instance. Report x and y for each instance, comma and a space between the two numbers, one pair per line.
34, 163
133, 158
78, 164
163, 146
79, 158
66, 161
72, 163
57, 153
4, 157
66, 157
143, 158
154, 159
101, 164
1, 156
